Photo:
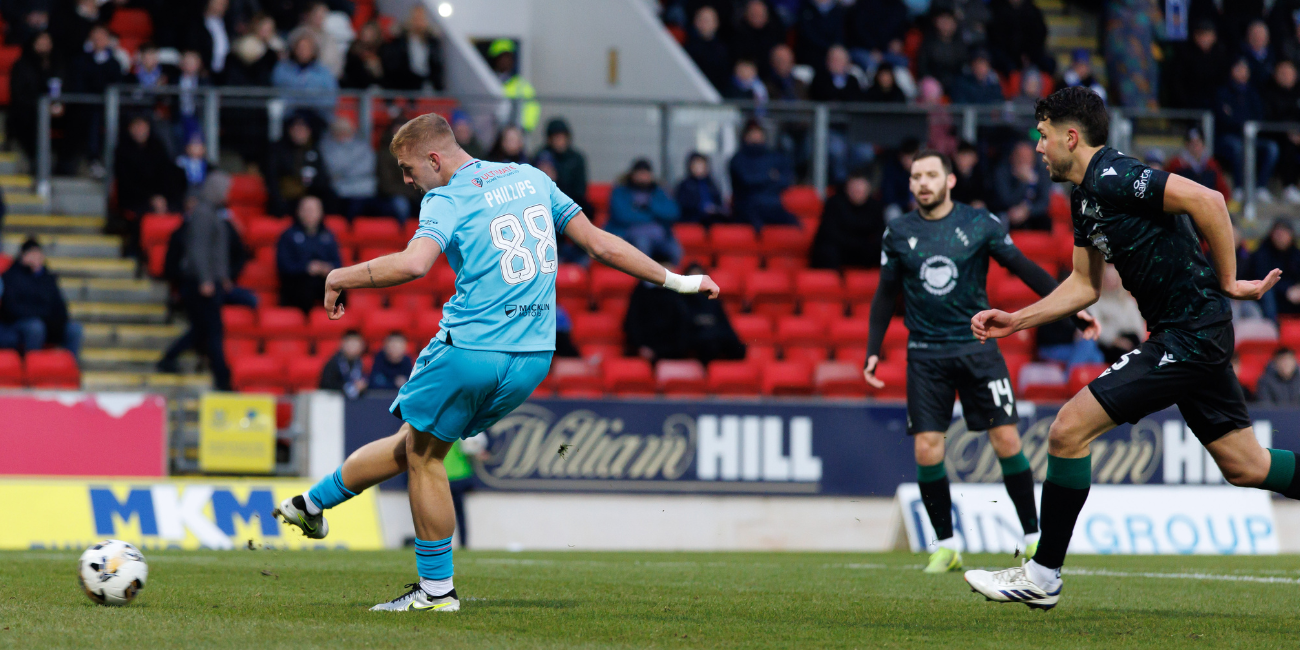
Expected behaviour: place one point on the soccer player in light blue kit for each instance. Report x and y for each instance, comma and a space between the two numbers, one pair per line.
498, 225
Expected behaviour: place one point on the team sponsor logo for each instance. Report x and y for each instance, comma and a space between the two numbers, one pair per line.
478, 182
1140, 185
939, 274
536, 310
493, 174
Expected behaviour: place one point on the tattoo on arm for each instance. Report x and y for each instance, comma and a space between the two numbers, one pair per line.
371, 274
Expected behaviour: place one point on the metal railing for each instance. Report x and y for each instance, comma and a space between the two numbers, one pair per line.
1250, 133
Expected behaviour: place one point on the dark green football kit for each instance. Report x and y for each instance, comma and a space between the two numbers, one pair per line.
1187, 360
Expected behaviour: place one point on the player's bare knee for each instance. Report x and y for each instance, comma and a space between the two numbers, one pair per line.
1005, 440
929, 448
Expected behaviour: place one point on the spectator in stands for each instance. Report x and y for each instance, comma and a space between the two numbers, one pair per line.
852, 225
509, 146
392, 187
872, 27
1080, 73
1119, 317
758, 176
698, 195
316, 88
885, 89
781, 83
148, 71
1023, 189
295, 168
1280, 383
1257, 53
943, 53
33, 311
463, 128
835, 82
940, 132
194, 162
970, 188
351, 166
208, 36
150, 181
1196, 163
206, 278
192, 77
1199, 69
392, 365
642, 213
1017, 35
658, 322
364, 67
707, 50
255, 54
820, 26
1278, 251
522, 109
979, 84
1287, 31
757, 34
345, 371
1236, 103
1282, 104
331, 43
93, 72
1031, 90
895, 172
306, 253
71, 23
24, 20
29, 79
745, 83
413, 59
570, 164
564, 346
711, 335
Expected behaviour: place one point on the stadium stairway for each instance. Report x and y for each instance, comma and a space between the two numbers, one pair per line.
1070, 27
124, 313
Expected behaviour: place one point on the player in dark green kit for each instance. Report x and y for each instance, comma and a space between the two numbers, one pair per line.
1145, 222
938, 256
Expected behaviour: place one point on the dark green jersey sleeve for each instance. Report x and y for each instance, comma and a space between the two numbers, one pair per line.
1126, 186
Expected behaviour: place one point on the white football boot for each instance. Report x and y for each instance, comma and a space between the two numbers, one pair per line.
1014, 586
418, 599
294, 512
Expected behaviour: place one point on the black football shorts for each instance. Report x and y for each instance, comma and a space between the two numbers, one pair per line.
1190, 369
980, 379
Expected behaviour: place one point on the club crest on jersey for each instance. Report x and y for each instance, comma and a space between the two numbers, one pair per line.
478, 182
939, 275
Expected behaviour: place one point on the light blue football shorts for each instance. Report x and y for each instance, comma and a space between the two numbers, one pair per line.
455, 393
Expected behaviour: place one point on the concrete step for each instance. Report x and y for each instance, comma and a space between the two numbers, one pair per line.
113, 290
92, 267
160, 380
70, 245
17, 183
167, 384
119, 359
9, 162
109, 312
1051, 6
1061, 26
22, 224
109, 380
71, 195
1068, 44
152, 337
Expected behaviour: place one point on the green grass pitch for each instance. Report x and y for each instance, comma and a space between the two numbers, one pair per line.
274, 599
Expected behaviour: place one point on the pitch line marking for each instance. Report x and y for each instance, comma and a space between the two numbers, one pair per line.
1108, 573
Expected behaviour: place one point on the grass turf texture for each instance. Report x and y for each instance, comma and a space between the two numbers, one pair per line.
267, 599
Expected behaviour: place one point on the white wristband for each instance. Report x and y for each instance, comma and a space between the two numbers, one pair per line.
682, 283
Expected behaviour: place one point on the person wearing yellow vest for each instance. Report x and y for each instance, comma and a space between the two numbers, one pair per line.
503, 57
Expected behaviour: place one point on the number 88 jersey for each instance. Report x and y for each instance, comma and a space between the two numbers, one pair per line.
497, 224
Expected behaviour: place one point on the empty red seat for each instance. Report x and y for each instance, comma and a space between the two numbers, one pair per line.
260, 275
734, 378
754, 329
444, 278
597, 352
265, 231
628, 376
802, 201
1021, 342
157, 229
681, 377
379, 323
896, 335
610, 283
1288, 332
53, 368
823, 311
800, 330
571, 281
784, 242
597, 327
731, 284
787, 378
238, 321
303, 373
770, 292
380, 232
281, 322
598, 196
576, 378
839, 379
818, 284
1012, 295
860, 286
760, 354
894, 374
810, 354
1251, 368
247, 189
258, 372
11, 369
359, 301
1256, 346
693, 239
286, 349
733, 238
241, 346
132, 24
855, 355
1046, 392
1035, 244
1082, 374
848, 332
740, 263
427, 324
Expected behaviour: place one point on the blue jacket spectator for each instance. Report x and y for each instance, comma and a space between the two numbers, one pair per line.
758, 176
303, 72
306, 254
706, 48
1258, 55
32, 309
820, 25
641, 212
1277, 251
392, 366
698, 195
1236, 103
1023, 190
980, 85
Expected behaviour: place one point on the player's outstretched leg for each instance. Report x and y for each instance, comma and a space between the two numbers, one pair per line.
368, 466
1245, 463
1037, 583
435, 523
932, 478
1019, 481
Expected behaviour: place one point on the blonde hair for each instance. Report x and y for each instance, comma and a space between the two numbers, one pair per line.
430, 128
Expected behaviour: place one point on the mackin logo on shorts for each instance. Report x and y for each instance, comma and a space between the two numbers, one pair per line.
536, 310
939, 274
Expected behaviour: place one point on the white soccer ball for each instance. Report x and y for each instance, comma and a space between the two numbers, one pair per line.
112, 572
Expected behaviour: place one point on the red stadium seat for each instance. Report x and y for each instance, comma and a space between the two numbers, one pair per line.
839, 379
242, 214
1256, 346
247, 190
1046, 392
684, 377
240, 346
731, 284
818, 284
628, 376
598, 196
896, 335
338, 224
1288, 330
571, 281
281, 322
1021, 342
693, 239
359, 301
734, 378
444, 278
260, 275
860, 286
802, 201
760, 354
131, 23
286, 349
733, 238
610, 283
770, 292
1012, 295
784, 242
810, 354
1035, 244
157, 229
1058, 208
427, 324
574, 305
380, 323
8, 55
576, 378
894, 374
597, 328
1082, 374
256, 373
822, 311
801, 330
5, 261
848, 332
785, 263
787, 378
855, 355
615, 306
741, 264
1252, 367
265, 231
597, 352
238, 321
378, 232
11, 369
754, 329
53, 368
1016, 361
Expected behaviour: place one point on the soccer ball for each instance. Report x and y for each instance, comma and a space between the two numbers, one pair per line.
112, 572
